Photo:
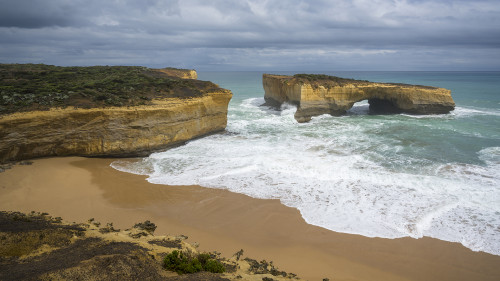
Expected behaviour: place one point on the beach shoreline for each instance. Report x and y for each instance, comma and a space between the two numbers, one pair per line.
78, 188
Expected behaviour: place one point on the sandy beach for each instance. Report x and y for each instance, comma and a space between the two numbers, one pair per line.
79, 188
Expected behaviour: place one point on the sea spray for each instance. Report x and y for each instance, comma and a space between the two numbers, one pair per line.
375, 175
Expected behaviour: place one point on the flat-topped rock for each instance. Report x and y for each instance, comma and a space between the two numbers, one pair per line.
315, 95
103, 111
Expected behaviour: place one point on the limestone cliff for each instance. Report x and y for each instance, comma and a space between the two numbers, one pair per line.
320, 94
112, 131
162, 117
180, 73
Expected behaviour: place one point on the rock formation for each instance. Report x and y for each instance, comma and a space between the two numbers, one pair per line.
120, 131
180, 73
112, 131
37, 246
321, 94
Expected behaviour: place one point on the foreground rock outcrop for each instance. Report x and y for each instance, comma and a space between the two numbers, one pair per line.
170, 112
37, 246
321, 94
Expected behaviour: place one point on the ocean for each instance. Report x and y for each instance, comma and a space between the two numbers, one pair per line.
384, 176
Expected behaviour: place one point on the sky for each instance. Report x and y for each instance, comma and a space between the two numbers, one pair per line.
221, 35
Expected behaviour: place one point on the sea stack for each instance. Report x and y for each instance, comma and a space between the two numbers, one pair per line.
322, 94
104, 111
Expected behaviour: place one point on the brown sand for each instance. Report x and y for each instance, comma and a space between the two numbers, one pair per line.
78, 189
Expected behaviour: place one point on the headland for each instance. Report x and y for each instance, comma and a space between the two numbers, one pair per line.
95, 111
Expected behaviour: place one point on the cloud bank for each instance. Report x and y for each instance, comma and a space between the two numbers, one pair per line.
254, 34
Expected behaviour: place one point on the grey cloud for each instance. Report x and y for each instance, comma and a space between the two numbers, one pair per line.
36, 13
253, 34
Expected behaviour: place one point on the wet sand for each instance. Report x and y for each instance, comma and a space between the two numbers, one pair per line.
78, 189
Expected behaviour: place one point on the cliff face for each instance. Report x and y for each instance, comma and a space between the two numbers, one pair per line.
103, 111
111, 131
180, 73
320, 94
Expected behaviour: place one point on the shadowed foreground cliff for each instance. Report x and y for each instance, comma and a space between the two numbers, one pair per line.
37, 246
103, 111
321, 94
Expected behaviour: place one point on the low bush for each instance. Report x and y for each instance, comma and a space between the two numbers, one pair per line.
181, 263
214, 266
147, 226
25, 87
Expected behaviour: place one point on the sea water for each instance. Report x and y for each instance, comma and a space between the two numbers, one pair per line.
375, 175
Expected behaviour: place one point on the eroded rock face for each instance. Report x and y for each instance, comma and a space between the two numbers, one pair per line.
158, 111
320, 94
112, 131
180, 73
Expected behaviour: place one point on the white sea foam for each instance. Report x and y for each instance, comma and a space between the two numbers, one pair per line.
458, 112
133, 167
469, 111
345, 174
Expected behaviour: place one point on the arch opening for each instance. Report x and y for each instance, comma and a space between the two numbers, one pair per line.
382, 106
359, 108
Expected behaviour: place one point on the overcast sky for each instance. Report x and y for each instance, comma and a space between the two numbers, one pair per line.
297, 35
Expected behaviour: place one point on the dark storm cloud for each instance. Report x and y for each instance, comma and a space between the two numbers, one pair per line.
254, 34
34, 14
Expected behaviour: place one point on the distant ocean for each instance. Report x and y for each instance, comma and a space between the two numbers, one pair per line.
375, 175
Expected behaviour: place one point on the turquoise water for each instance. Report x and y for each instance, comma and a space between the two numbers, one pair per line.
375, 175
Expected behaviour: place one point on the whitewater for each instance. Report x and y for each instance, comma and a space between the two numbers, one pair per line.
384, 176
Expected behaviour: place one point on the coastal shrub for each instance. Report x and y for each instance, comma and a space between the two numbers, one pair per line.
327, 79
179, 262
204, 257
214, 266
147, 226
184, 263
39, 86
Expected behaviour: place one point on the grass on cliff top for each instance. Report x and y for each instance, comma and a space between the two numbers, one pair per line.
26, 87
330, 81
327, 79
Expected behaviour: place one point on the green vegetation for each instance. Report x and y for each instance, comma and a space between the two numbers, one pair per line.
25, 87
264, 267
181, 262
22, 234
146, 226
326, 78
328, 81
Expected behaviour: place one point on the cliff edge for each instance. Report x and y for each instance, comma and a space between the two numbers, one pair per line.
103, 111
321, 94
36, 246
181, 73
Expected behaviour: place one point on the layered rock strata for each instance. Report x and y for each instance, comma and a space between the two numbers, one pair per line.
111, 131
118, 131
320, 94
180, 73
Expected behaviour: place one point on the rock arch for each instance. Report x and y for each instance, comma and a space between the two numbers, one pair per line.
321, 94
